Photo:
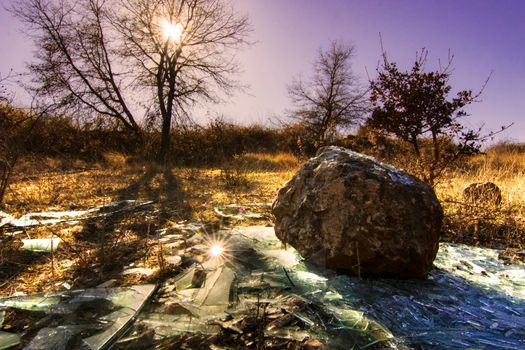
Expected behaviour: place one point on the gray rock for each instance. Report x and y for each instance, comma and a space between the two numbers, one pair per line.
349, 212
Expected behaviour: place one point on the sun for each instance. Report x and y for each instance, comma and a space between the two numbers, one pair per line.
172, 31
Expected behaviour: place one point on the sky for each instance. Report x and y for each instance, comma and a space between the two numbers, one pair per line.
483, 35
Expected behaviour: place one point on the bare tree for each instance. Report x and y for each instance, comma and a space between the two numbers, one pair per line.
122, 57
5, 161
181, 51
332, 99
75, 68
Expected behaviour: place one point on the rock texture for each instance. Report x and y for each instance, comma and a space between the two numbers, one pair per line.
351, 213
487, 193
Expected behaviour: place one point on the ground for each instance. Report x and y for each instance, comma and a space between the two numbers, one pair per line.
96, 252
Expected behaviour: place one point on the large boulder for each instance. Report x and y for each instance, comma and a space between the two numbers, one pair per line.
349, 212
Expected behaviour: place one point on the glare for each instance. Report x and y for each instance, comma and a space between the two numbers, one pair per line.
172, 31
216, 250
219, 249
305, 275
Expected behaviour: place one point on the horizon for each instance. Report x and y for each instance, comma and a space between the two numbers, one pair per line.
483, 36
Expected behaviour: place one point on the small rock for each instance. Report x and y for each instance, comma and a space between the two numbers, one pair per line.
482, 193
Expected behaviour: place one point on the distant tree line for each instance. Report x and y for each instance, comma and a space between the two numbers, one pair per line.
137, 67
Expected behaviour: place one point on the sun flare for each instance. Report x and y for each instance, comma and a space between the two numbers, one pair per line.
172, 31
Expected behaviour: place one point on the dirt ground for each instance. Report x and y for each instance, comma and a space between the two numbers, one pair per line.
94, 252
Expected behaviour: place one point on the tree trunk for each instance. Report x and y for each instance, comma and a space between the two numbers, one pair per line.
162, 156
6, 166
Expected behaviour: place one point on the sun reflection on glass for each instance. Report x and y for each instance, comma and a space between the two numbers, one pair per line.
216, 250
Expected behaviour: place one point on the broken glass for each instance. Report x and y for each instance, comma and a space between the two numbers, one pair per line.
255, 211
30, 303
192, 227
8, 340
105, 312
71, 217
214, 297
146, 271
166, 325
56, 338
117, 320
257, 283
41, 245
471, 299
5, 218
261, 294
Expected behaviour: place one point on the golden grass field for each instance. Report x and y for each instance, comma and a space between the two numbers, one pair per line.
191, 193
87, 258
487, 225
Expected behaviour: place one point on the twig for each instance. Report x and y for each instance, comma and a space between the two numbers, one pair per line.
288, 276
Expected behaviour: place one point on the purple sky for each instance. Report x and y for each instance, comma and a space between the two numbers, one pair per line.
483, 36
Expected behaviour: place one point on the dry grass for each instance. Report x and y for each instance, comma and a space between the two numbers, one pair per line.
93, 255
52, 188
485, 224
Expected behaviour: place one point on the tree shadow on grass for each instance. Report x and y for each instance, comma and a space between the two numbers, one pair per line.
113, 251
16, 262
114, 240
160, 185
